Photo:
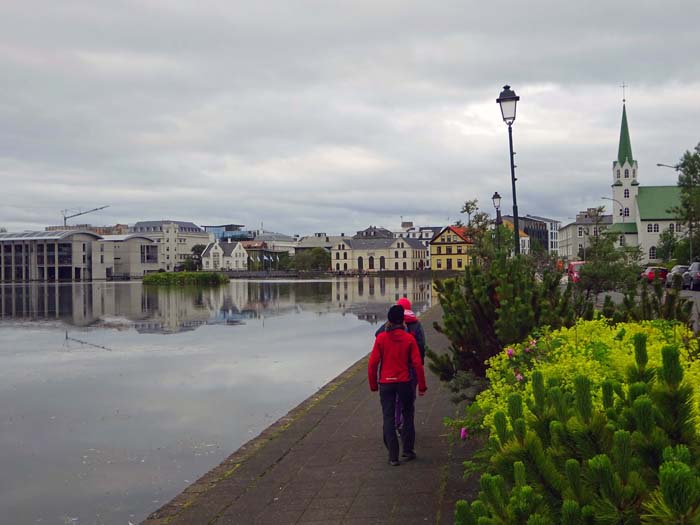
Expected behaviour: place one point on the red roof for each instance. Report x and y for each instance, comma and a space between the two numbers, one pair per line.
462, 232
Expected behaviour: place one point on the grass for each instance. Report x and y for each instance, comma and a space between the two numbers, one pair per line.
183, 278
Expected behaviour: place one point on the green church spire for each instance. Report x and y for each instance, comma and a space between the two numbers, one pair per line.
624, 151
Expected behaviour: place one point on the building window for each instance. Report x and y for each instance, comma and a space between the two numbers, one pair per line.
404, 256
678, 227
345, 255
459, 263
656, 228
618, 174
404, 265
627, 193
449, 250
627, 174
622, 240
652, 252
580, 231
337, 255
649, 228
671, 227
459, 249
627, 212
634, 173
396, 266
439, 263
439, 250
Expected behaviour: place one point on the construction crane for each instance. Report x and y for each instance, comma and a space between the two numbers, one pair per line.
66, 216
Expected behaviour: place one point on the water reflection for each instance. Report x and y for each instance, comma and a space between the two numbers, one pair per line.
104, 418
171, 310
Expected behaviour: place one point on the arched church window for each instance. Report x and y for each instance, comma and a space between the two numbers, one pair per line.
627, 212
627, 174
656, 228
618, 174
649, 228
627, 193
652, 252
672, 227
634, 173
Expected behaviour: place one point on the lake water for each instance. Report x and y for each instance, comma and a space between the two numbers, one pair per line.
116, 396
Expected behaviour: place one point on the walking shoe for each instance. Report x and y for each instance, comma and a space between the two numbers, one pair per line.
394, 462
408, 456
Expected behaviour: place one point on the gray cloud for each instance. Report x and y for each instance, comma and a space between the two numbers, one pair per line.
318, 116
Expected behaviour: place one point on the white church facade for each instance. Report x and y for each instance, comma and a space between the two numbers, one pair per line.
640, 213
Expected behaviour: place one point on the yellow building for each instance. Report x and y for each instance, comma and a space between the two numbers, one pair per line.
451, 249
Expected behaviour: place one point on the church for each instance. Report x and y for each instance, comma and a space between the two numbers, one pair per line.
640, 213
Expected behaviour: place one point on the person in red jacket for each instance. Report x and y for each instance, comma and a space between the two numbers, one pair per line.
388, 371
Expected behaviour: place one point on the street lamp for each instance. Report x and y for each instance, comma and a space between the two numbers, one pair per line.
497, 204
677, 167
622, 213
508, 101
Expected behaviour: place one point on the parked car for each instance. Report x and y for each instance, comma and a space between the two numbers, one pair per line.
654, 272
676, 270
691, 278
573, 271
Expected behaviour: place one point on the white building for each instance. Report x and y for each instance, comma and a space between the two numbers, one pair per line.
641, 213
423, 234
175, 238
225, 255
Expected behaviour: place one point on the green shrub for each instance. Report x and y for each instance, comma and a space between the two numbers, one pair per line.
185, 278
597, 349
622, 453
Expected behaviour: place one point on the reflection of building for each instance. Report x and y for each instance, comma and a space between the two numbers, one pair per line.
175, 238
225, 255
375, 250
147, 309
451, 249
369, 297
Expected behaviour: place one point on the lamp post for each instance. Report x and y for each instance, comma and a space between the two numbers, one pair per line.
622, 213
508, 101
497, 204
677, 167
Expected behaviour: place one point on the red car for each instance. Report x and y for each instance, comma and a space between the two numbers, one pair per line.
574, 271
654, 272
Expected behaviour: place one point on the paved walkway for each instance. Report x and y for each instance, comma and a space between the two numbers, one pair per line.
325, 463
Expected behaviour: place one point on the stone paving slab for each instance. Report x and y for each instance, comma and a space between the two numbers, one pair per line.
325, 463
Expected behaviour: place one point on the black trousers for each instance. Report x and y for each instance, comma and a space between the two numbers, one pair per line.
387, 398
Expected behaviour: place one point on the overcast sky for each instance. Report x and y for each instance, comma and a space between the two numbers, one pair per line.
329, 116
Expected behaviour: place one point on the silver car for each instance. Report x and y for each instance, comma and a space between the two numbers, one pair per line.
676, 270
691, 278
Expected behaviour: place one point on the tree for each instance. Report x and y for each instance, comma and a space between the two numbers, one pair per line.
688, 212
667, 245
196, 257
607, 268
3, 230
470, 207
316, 259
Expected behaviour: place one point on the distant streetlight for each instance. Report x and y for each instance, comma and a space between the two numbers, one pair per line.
622, 213
677, 167
497, 204
508, 101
